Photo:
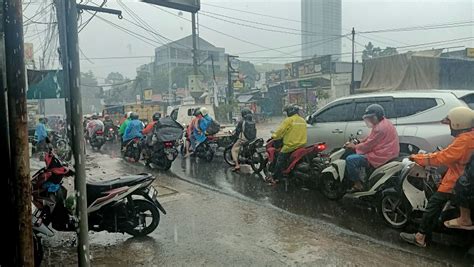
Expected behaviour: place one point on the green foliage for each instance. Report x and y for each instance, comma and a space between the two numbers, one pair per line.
371, 51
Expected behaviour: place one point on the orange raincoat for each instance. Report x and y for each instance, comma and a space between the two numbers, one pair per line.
455, 157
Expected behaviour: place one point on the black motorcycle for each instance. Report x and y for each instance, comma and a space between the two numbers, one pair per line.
133, 149
206, 149
161, 148
250, 153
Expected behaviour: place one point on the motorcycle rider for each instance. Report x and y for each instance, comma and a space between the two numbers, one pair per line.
134, 128
108, 123
378, 148
94, 125
148, 131
199, 132
455, 157
123, 126
190, 130
293, 132
41, 133
240, 136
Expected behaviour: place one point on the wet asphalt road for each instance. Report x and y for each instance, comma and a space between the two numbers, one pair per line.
356, 219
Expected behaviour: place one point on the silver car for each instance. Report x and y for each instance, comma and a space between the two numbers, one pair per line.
416, 115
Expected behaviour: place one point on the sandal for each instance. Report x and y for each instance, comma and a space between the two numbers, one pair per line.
411, 238
454, 224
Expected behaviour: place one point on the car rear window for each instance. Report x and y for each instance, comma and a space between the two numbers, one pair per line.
469, 100
362, 106
409, 106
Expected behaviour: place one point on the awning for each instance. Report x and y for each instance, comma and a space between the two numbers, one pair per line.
244, 98
44, 84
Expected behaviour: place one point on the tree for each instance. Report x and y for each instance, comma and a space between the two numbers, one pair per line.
114, 77
371, 51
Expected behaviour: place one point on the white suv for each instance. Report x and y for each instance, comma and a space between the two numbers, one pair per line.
416, 115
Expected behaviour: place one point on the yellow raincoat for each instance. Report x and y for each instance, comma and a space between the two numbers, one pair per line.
293, 132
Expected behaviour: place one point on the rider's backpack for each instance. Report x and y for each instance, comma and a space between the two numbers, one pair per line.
469, 170
249, 129
213, 128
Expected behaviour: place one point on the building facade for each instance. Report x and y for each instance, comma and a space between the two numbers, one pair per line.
321, 24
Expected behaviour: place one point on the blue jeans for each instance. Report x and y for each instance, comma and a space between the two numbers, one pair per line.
354, 165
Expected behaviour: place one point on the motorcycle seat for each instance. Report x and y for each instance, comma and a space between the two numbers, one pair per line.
96, 189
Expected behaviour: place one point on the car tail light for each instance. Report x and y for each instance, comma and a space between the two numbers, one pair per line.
321, 147
169, 144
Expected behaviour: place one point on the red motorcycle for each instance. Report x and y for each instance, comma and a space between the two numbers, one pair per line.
304, 165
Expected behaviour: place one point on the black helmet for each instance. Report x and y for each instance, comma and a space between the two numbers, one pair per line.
245, 112
374, 110
156, 116
197, 112
95, 117
134, 116
291, 109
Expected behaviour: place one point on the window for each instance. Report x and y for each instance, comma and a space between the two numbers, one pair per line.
362, 106
335, 113
469, 100
410, 106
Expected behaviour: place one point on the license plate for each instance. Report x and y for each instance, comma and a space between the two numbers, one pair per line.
261, 149
152, 193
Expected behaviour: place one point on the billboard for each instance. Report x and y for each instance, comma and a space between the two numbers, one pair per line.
184, 5
313, 66
147, 94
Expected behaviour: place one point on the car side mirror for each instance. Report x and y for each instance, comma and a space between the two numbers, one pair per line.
309, 119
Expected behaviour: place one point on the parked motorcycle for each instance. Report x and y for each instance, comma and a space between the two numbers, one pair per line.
133, 149
304, 164
334, 182
126, 204
161, 148
250, 153
97, 140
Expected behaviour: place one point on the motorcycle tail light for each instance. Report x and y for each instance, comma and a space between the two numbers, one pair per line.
321, 147
99, 132
169, 144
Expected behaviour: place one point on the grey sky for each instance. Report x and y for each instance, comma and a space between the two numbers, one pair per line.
99, 39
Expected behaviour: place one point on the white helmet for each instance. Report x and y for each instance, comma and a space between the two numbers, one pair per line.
128, 114
460, 118
204, 111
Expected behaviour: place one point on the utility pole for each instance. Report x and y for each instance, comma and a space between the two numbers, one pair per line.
19, 176
194, 36
352, 89
67, 16
214, 85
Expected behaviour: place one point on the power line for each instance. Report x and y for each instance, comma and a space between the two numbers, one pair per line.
225, 34
298, 31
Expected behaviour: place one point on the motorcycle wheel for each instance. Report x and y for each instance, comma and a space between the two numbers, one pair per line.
228, 156
38, 251
143, 210
331, 188
393, 210
257, 163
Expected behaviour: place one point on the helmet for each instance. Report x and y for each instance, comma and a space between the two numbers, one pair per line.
156, 116
106, 117
291, 109
374, 110
95, 117
460, 118
134, 116
204, 111
127, 115
197, 112
245, 111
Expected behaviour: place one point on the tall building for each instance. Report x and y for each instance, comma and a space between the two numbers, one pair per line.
321, 25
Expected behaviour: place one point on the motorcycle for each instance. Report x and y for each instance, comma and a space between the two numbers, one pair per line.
133, 149
304, 163
110, 134
334, 182
250, 153
97, 140
161, 148
206, 149
120, 205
